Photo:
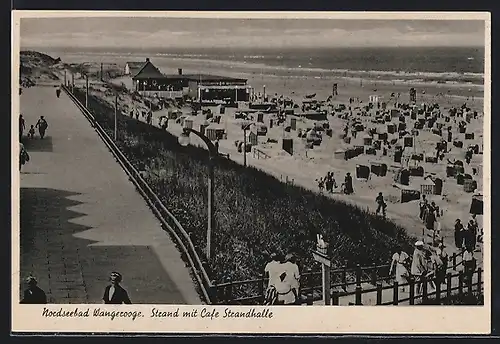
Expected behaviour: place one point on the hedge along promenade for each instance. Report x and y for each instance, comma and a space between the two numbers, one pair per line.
255, 213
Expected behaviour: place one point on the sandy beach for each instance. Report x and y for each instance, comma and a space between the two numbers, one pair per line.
305, 166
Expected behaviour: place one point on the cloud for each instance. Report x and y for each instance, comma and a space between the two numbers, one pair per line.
251, 33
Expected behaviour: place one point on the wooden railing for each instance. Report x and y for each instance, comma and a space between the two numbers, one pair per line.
258, 153
456, 283
344, 281
162, 94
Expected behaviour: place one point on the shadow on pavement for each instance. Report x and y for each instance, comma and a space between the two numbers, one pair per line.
45, 228
38, 145
68, 269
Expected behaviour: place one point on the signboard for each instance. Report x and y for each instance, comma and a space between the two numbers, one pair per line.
323, 259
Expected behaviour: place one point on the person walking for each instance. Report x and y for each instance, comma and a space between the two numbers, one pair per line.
149, 118
321, 184
459, 234
114, 292
430, 220
442, 267
431, 268
329, 182
382, 206
469, 235
24, 157
58, 91
42, 126
399, 264
469, 262
33, 294
22, 126
423, 207
31, 132
348, 188
419, 265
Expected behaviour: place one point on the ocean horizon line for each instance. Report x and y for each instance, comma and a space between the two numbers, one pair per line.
243, 48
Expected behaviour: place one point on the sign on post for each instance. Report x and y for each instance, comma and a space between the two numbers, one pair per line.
321, 256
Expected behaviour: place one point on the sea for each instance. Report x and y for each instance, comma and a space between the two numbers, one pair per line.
453, 64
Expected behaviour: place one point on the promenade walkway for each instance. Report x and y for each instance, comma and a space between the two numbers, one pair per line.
81, 217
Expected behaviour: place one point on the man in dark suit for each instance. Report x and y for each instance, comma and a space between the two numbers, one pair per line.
34, 294
114, 293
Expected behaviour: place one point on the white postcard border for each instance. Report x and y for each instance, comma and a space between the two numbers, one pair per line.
291, 319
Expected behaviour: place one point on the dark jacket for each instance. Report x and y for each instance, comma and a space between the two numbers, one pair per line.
34, 296
120, 296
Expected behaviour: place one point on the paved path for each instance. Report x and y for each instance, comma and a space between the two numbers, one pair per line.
81, 217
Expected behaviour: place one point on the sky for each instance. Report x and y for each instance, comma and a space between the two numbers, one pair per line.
144, 33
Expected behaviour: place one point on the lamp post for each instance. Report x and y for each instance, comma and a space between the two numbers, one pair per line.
245, 128
116, 116
212, 153
86, 91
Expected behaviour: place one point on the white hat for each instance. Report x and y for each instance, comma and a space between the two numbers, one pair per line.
419, 243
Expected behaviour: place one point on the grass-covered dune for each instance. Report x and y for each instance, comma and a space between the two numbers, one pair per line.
254, 212
38, 66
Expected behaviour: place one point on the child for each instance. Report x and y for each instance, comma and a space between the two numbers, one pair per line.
31, 133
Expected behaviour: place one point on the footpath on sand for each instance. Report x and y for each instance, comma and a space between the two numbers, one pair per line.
81, 218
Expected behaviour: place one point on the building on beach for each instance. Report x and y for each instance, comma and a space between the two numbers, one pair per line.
207, 88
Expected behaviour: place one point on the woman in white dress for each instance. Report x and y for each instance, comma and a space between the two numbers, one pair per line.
399, 264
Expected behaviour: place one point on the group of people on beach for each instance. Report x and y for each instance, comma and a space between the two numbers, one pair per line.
147, 115
467, 237
428, 265
429, 214
283, 275
330, 184
114, 293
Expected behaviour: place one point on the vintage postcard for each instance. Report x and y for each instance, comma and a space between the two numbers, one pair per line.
247, 172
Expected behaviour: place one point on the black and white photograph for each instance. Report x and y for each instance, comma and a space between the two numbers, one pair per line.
251, 161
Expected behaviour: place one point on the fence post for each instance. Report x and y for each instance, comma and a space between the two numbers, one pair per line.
212, 293
438, 291
344, 276
461, 283
310, 301
424, 289
469, 284
374, 274
448, 286
479, 283
411, 281
228, 295
335, 298
261, 289
358, 295
395, 293
358, 275
454, 257
379, 293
